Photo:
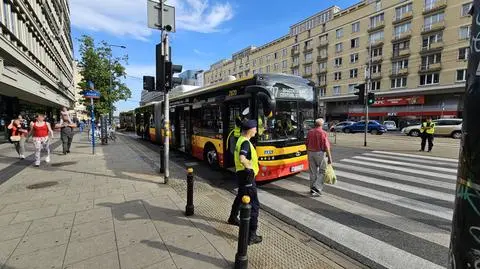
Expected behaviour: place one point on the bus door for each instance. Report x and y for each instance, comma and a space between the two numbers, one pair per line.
186, 131
235, 112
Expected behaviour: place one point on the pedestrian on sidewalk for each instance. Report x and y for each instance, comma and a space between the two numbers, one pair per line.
426, 131
317, 146
246, 167
66, 132
41, 131
18, 137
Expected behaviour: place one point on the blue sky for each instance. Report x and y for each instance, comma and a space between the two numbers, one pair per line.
207, 31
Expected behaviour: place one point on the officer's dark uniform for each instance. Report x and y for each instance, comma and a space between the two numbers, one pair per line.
427, 130
246, 183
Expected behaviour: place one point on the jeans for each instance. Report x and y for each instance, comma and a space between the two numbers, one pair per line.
254, 202
20, 146
317, 165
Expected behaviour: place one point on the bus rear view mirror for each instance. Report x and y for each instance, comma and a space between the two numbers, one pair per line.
267, 103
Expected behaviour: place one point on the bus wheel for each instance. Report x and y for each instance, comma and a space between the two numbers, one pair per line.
211, 156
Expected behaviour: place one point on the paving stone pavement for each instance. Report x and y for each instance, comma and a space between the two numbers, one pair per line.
112, 210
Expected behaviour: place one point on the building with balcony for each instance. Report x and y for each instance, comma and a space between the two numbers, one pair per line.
36, 58
415, 51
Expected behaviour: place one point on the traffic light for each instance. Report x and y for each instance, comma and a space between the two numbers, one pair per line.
371, 98
360, 92
149, 83
170, 81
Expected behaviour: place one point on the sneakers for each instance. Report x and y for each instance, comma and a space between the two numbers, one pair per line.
315, 192
21, 156
47, 159
37, 164
234, 221
255, 240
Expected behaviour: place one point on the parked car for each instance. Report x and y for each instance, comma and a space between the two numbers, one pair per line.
443, 127
339, 126
373, 127
390, 125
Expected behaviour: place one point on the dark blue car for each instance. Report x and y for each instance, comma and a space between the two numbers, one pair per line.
373, 127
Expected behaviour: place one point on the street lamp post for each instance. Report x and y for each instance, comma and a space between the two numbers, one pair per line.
110, 105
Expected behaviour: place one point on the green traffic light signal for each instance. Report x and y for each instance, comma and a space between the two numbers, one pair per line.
371, 98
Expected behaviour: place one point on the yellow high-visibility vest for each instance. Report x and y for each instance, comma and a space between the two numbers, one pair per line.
430, 130
238, 165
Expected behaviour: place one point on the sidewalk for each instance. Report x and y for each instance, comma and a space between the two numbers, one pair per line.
109, 211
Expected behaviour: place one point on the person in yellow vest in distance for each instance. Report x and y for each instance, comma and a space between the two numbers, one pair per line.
427, 130
234, 134
246, 167
261, 128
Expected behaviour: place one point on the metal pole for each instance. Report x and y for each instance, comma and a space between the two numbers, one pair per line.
241, 258
189, 208
167, 116
367, 90
93, 126
465, 239
110, 89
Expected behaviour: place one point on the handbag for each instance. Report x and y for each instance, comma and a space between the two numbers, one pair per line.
15, 138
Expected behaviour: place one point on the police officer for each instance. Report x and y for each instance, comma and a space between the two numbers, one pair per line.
246, 167
427, 130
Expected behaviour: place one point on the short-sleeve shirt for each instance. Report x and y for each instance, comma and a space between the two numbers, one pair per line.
245, 150
317, 140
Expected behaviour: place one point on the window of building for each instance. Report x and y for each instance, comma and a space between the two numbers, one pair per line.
275, 55
322, 65
260, 60
401, 11
308, 44
324, 38
308, 69
6, 12
354, 73
323, 91
355, 43
295, 71
284, 64
377, 52
431, 39
433, 19
337, 76
295, 47
431, 59
275, 67
267, 69
429, 79
399, 65
465, 9
399, 82
339, 33
351, 88
269, 58
378, 5
295, 60
260, 70
284, 52
322, 79
339, 47
397, 47
336, 90
356, 27
461, 75
323, 53
353, 58
308, 57
463, 53
337, 62
402, 29
376, 68
376, 20
464, 32
376, 37
375, 85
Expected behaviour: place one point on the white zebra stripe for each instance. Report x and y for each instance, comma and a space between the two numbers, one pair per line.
440, 169
416, 156
411, 159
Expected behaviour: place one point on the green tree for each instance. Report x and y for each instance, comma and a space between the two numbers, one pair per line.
99, 66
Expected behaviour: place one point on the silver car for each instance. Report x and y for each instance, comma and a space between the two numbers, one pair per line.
339, 126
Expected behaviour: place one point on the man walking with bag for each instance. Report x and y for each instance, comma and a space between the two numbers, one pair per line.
317, 146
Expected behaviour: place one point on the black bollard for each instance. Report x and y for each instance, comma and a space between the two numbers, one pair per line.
241, 258
190, 208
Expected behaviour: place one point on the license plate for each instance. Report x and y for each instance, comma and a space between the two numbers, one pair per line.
296, 168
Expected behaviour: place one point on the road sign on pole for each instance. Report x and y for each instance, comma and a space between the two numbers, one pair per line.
160, 16
92, 94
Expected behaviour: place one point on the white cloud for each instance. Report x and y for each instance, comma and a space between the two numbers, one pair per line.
138, 71
202, 53
129, 17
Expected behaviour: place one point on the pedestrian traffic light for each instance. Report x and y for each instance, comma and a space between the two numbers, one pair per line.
371, 98
149, 83
360, 92
171, 81
160, 68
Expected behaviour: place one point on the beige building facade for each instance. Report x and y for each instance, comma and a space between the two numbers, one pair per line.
415, 53
36, 58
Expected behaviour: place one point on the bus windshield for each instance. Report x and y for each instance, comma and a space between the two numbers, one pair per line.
290, 120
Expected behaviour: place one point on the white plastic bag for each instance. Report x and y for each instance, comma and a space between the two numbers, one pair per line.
329, 177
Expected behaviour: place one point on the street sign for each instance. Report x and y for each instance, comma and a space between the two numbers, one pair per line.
160, 19
91, 94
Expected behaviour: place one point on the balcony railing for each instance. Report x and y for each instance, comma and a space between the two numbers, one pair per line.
401, 53
403, 17
376, 26
321, 58
430, 67
308, 61
404, 35
438, 5
433, 46
378, 58
433, 27
295, 65
322, 70
375, 43
307, 75
399, 71
322, 83
323, 43
295, 51
376, 75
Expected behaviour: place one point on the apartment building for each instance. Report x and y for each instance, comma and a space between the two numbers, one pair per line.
79, 109
415, 53
36, 58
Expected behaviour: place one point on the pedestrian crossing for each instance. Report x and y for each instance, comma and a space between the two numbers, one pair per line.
392, 210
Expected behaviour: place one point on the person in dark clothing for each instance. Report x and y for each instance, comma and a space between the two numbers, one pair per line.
246, 166
427, 131
66, 133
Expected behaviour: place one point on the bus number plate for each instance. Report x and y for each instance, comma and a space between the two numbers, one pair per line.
296, 168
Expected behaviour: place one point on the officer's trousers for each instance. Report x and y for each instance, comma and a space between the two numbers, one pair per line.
254, 202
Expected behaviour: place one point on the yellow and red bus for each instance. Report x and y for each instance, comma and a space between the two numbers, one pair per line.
203, 119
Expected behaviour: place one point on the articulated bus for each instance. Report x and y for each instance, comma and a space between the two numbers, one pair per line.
127, 120
203, 119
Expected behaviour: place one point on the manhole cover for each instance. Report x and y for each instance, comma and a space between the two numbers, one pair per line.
40, 185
